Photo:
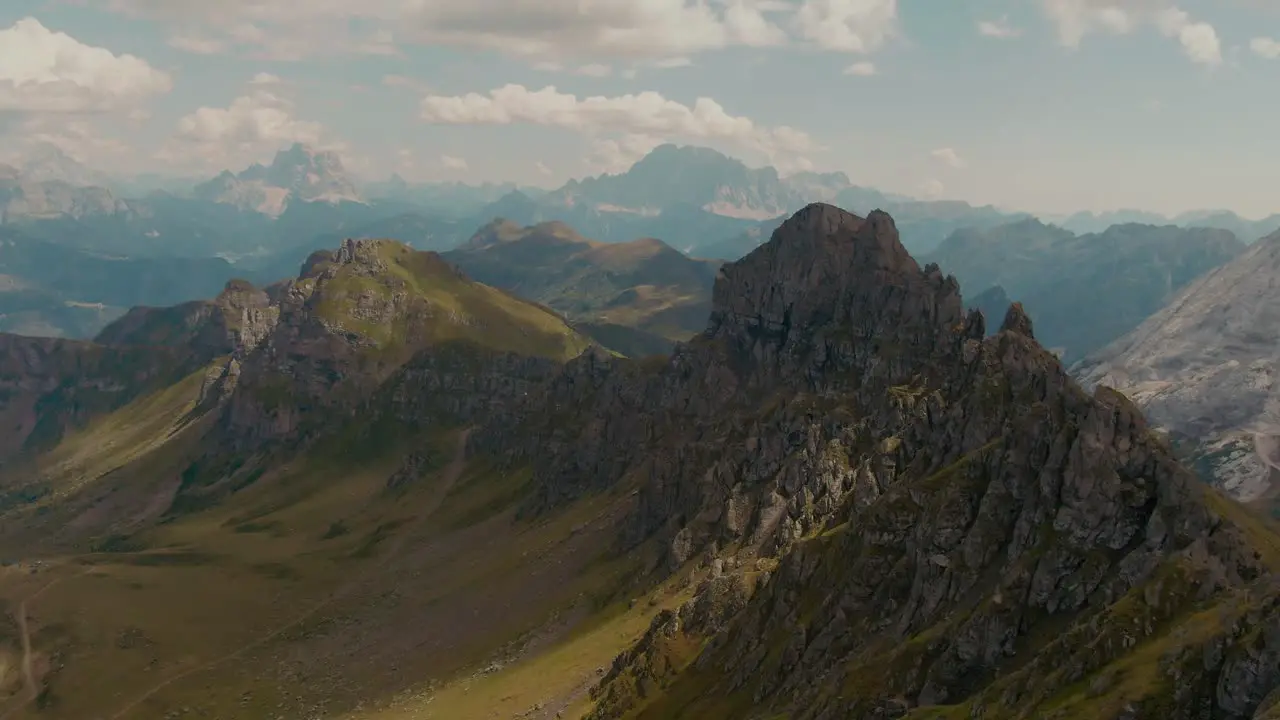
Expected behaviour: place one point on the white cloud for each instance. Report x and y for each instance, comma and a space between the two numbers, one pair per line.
646, 115
264, 78
46, 71
1000, 28
196, 45
597, 70
1077, 18
73, 135
542, 168
450, 162
932, 188
404, 81
617, 155
858, 26
949, 157
671, 63
596, 31
1198, 39
1265, 47
861, 69
251, 128
560, 29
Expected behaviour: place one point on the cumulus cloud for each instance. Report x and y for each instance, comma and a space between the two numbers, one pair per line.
265, 78
861, 69
606, 28
251, 128
1198, 39
1265, 47
609, 155
42, 70
74, 135
561, 30
450, 162
859, 26
949, 157
1000, 28
542, 168
597, 70
932, 188
642, 117
1077, 18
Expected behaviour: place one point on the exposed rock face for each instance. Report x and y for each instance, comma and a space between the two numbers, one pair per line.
831, 313
296, 173
959, 523
29, 200
356, 315
1205, 368
234, 322
49, 386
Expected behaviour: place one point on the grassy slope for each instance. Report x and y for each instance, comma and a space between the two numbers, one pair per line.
643, 284
449, 306
315, 587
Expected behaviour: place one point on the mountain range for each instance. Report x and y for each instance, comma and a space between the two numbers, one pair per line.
637, 297
382, 489
1204, 369
296, 174
1083, 291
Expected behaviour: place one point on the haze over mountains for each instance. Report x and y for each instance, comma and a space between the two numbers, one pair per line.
670, 360
381, 486
267, 218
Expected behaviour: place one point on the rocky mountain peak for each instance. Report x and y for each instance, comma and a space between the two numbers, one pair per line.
362, 251
827, 267
1016, 320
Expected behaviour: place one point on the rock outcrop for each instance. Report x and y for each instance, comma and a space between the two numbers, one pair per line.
49, 386
352, 319
960, 526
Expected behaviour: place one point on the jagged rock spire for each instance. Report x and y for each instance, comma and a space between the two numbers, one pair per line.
1017, 321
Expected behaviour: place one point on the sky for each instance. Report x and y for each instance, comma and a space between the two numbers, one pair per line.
1047, 106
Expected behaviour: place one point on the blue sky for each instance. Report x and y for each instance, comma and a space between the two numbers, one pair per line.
1159, 106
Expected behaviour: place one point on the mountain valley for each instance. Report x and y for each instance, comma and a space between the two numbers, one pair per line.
1203, 368
381, 489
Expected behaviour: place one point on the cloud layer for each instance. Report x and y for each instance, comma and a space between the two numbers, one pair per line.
1077, 18
549, 30
639, 118
42, 71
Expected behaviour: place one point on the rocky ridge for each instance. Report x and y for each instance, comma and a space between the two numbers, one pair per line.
643, 285
298, 173
356, 315
958, 525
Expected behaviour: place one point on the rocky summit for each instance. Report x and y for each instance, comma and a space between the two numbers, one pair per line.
383, 490
900, 518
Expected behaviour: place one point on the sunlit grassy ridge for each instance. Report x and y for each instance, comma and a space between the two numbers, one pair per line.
420, 299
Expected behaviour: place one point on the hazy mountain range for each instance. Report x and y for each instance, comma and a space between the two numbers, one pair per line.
382, 483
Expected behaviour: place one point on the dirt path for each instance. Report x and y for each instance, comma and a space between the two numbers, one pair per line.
24, 627
28, 677
449, 478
